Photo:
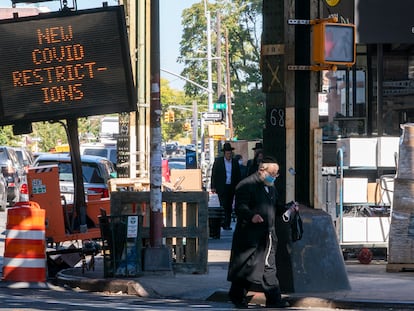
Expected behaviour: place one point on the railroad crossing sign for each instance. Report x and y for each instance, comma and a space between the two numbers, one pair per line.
213, 116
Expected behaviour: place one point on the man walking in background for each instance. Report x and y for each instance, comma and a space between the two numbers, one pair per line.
258, 148
225, 176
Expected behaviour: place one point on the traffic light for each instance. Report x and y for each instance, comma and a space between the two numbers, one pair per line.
333, 44
167, 117
187, 126
172, 116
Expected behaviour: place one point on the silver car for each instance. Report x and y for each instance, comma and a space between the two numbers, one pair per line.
96, 172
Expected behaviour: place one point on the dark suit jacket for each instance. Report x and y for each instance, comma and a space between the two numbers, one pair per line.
218, 174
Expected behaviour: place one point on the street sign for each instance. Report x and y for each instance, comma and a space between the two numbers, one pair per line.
213, 116
219, 106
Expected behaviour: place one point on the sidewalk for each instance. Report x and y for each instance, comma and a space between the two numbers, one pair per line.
371, 285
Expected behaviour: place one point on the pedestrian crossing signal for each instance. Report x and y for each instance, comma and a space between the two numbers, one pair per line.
333, 44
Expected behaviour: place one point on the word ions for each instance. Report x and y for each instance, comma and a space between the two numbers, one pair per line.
59, 66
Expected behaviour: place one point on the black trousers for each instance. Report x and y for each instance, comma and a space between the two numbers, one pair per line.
226, 201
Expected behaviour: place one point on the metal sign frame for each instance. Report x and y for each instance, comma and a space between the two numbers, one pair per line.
65, 65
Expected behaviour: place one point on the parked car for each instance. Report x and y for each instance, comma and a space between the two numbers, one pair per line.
25, 156
108, 151
171, 148
3, 192
96, 172
176, 163
12, 171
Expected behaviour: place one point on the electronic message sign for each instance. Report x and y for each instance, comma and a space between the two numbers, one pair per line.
65, 65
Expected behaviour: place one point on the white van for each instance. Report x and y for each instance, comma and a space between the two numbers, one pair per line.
109, 127
99, 149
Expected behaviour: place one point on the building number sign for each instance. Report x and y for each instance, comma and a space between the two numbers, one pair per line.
277, 117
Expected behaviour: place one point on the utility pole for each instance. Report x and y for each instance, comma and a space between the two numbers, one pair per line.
218, 54
229, 109
156, 222
209, 79
194, 139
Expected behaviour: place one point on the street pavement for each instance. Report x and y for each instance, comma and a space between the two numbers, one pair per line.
371, 285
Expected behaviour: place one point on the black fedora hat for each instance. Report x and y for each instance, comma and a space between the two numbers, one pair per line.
258, 146
227, 147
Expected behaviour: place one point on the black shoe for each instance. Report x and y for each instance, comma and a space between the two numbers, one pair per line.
240, 304
278, 304
226, 228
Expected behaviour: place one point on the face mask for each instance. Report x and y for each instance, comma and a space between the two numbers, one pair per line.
240, 162
269, 180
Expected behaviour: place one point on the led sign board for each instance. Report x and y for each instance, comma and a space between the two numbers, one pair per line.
65, 65
333, 44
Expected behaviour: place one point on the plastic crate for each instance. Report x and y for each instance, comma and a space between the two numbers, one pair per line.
121, 245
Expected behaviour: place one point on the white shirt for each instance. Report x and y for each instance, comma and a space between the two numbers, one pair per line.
227, 164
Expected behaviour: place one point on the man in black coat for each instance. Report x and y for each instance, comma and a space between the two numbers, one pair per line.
225, 176
258, 148
252, 259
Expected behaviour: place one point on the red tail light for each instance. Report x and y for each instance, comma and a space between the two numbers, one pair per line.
24, 189
104, 192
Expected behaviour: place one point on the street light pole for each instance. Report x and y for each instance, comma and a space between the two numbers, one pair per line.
209, 79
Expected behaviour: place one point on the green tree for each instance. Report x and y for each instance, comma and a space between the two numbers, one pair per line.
242, 19
8, 138
48, 134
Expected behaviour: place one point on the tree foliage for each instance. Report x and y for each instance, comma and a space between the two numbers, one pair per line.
47, 135
242, 20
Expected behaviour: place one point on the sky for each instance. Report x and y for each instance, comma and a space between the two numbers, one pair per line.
170, 31
170, 36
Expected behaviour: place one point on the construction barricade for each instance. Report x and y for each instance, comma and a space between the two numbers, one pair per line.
25, 246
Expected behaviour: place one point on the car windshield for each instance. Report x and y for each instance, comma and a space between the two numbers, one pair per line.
96, 152
90, 172
3, 156
176, 165
102, 152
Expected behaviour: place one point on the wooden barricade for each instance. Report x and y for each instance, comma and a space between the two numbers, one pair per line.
185, 230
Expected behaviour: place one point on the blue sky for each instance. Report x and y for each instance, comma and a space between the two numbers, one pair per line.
170, 36
170, 30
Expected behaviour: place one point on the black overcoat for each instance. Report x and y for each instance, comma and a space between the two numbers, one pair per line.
251, 241
218, 174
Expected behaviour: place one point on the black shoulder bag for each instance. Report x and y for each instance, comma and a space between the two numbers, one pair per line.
296, 227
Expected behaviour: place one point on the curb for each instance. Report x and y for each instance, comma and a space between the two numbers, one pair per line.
68, 277
24, 285
318, 302
73, 278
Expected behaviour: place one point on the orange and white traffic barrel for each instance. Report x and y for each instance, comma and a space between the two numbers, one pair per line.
25, 247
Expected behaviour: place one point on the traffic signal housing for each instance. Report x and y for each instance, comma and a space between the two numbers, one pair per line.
187, 126
333, 44
167, 117
172, 115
